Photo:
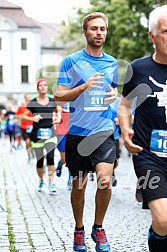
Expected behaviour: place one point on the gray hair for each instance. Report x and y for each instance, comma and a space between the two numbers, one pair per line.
154, 18
92, 16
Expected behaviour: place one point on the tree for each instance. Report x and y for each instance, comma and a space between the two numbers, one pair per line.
127, 37
128, 27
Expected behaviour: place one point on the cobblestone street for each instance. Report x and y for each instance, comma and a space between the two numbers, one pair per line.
41, 222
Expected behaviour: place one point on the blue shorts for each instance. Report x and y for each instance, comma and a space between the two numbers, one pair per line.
61, 143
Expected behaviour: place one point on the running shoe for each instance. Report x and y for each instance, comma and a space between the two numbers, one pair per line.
59, 169
114, 180
99, 237
138, 195
52, 188
40, 186
79, 242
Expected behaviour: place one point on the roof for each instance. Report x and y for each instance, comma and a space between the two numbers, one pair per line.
17, 15
48, 33
5, 4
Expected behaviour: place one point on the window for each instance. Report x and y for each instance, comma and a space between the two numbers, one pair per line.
0, 44
1, 74
24, 74
23, 44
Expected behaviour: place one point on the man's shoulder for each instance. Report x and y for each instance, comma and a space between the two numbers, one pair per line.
74, 55
143, 60
21, 108
109, 56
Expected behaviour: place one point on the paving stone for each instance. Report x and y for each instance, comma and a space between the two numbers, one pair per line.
47, 221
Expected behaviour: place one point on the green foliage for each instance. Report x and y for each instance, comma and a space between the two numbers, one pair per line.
50, 73
128, 27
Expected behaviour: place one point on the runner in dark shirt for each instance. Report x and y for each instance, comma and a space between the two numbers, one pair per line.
146, 80
45, 115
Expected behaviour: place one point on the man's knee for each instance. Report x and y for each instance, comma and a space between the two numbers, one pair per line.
160, 223
104, 182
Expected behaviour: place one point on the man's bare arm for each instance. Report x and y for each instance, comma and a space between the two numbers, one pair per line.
125, 114
125, 120
66, 94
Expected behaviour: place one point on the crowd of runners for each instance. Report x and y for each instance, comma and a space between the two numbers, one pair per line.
86, 121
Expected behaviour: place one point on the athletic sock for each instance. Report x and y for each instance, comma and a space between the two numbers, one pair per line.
96, 226
156, 242
79, 229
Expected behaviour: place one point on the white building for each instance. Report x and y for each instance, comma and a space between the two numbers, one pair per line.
25, 47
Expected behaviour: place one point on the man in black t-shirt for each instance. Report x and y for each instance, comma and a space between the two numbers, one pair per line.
146, 80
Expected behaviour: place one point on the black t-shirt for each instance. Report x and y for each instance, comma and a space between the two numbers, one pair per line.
149, 85
46, 111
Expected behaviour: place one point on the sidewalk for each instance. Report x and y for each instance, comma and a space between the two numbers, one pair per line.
44, 223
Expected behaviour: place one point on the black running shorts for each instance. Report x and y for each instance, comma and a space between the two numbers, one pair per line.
152, 182
24, 134
84, 153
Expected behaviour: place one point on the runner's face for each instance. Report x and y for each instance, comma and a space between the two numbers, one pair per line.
43, 87
27, 98
160, 39
96, 32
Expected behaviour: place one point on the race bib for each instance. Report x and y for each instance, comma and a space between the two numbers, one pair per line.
29, 129
94, 100
44, 133
158, 143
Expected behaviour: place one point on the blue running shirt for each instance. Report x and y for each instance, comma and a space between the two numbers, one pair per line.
88, 113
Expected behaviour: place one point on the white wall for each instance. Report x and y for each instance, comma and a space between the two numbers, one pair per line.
12, 58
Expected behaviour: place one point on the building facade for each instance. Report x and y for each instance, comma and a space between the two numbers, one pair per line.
25, 47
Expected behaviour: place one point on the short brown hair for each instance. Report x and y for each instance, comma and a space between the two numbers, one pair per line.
91, 16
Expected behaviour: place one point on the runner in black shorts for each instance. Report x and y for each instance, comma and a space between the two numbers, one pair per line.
152, 182
75, 153
88, 79
25, 126
43, 136
146, 80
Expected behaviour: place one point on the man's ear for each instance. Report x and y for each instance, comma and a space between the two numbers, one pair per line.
85, 33
151, 36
